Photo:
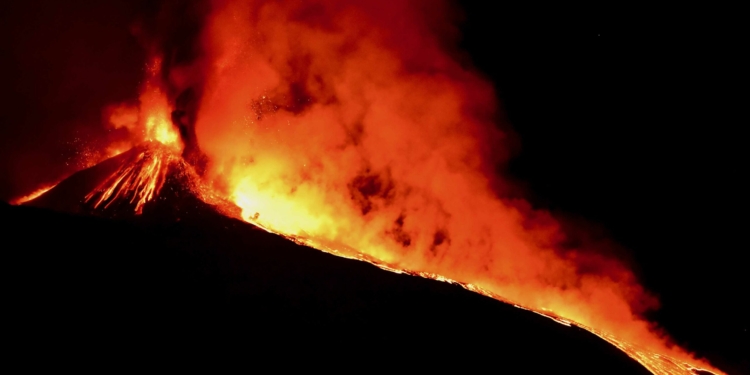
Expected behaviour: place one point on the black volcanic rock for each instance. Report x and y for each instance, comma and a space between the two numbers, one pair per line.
81, 287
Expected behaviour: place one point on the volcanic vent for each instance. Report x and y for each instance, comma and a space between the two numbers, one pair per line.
156, 177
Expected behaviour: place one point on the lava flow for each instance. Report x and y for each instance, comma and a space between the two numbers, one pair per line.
138, 181
353, 128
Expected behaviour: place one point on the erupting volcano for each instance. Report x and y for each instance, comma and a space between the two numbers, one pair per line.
355, 128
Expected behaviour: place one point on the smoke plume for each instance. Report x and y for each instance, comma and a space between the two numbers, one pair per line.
359, 125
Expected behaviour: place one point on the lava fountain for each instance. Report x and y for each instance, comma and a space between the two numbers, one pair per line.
355, 127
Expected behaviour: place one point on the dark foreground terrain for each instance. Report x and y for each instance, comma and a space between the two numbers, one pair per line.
84, 290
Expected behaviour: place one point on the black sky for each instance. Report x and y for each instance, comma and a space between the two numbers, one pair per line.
628, 118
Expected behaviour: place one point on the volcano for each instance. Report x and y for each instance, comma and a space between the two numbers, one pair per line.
210, 281
366, 130
150, 178
134, 248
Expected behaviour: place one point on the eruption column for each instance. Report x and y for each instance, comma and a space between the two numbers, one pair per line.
356, 127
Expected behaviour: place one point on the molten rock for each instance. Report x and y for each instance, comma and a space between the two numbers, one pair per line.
148, 179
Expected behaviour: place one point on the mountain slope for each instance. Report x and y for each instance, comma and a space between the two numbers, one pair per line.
211, 282
150, 178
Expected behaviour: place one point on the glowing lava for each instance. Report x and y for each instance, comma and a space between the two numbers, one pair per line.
31, 196
138, 181
351, 128
678, 363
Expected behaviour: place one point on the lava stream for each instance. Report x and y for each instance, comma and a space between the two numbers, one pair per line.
658, 364
355, 128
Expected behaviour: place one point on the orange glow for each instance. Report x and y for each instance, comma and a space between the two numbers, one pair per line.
148, 120
117, 149
155, 110
349, 127
138, 181
31, 196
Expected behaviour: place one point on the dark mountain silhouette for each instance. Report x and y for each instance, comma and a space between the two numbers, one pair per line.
89, 275
123, 289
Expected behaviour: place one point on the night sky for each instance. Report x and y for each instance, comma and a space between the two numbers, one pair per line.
627, 120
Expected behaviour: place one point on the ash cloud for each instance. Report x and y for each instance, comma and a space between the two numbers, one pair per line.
360, 123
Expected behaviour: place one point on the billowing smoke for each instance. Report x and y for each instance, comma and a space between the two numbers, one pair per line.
359, 125
356, 123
